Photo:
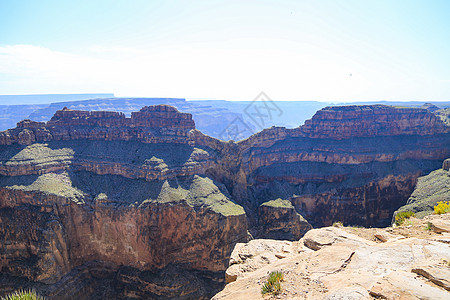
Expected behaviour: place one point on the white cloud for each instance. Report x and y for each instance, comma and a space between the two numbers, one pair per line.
233, 74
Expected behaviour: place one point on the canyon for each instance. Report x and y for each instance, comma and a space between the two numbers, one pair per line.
98, 204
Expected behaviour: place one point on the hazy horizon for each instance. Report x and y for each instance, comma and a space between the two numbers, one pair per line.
327, 51
42, 99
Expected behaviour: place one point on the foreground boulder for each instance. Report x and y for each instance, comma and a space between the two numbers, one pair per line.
278, 219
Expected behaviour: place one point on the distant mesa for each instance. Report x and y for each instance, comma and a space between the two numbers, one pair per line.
430, 106
372, 120
152, 124
155, 116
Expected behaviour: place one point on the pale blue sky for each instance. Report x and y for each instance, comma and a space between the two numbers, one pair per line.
292, 50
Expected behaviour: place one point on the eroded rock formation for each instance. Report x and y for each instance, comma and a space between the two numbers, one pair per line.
278, 219
352, 164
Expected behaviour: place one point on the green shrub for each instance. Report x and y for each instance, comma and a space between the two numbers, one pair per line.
402, 216
23, 295
442, 207
273, 283
428, 226
338, 224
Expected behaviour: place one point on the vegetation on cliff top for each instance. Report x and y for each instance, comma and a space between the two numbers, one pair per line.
163, 156
52, 183
278, 203
82, 187
402, 216
442, 207
444, 114
23, 295
430, 189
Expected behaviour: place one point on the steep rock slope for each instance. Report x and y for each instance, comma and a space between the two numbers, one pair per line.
429, 190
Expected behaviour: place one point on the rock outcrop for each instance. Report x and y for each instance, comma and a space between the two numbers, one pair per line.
278, 219
347, 263
105, 205
430, 106
446, 165
371, 120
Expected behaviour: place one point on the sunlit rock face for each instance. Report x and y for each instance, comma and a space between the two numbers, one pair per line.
352, 164
95, 204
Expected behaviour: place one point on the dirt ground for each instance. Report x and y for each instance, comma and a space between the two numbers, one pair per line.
412, 227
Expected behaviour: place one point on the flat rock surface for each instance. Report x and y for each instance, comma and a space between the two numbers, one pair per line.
405, 262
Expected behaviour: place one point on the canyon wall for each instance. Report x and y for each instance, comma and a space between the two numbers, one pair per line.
355, 164
95, 205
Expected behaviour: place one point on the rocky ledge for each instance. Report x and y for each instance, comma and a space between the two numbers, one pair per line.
407, 262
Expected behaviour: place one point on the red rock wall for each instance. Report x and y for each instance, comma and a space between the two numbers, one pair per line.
152, 124
342, 122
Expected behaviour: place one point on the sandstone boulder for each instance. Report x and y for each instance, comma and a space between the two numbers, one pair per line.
279, 220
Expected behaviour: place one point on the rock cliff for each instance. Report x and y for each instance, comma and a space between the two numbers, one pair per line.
278, 219
354, 164
152, 124
102, 205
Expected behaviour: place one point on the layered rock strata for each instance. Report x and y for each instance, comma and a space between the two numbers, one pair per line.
152, 124
278, 219
354, 164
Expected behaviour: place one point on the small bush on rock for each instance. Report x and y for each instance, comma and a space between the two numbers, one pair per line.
402, 216
338, 224
442, 207
273, 283
23, 295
